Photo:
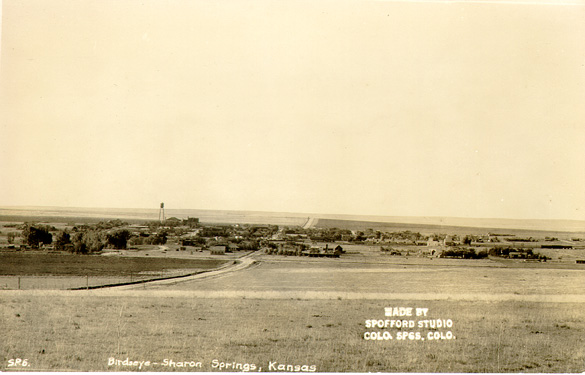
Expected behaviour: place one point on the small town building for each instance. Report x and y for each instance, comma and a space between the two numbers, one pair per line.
217, 249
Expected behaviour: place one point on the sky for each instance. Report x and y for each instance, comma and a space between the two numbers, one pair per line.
393, 108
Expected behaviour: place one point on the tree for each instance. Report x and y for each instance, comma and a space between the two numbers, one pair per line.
10, 237
34, 236
119, 238
79, 245
95, 241
160, 238
63, 239
88, 241
360, 236
136, 240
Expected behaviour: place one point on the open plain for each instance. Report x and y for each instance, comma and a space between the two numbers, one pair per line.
309, 313
254, 311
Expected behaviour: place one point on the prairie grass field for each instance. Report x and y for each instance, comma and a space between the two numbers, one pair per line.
82, 332
420, 276
259, 316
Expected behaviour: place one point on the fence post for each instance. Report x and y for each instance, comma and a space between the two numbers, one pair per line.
19, 283
86, 282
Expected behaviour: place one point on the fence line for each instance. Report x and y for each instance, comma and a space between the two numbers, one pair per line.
80, 281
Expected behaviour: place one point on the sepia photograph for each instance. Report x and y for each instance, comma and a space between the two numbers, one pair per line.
292, 186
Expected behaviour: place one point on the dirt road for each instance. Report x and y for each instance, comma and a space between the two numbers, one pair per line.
310, 222
238, 265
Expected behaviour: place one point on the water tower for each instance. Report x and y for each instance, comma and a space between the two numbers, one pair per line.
161, 213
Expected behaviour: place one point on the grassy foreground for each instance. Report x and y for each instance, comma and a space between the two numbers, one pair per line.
83, 332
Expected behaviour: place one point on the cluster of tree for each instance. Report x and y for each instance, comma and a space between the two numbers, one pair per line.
274, 249
405, 235
119, 238
235, 233
84, 241
63, 240
160, 238
48, 228
173, 222
246, 244
402, 237
194, 241
321, 234
465, 253
369, 234
216, 231
511, 252
455, 239
285, 251
232, 242
325, 234
437, 237
467, 240
254, 231
106, 225
88, 241
37, 235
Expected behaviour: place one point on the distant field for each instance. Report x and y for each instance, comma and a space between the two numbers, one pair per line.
28, 264
430, 229
486, 223
134, 216
83, 332
63, 271
64, 219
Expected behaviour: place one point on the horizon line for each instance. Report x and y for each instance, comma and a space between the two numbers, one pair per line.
313, 214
